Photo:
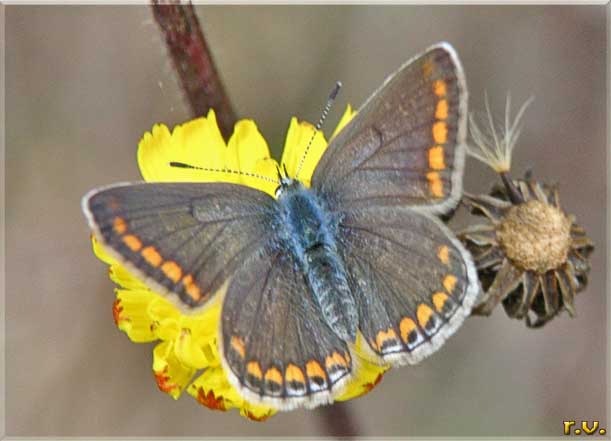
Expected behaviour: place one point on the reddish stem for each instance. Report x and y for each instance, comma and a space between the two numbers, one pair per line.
193, 62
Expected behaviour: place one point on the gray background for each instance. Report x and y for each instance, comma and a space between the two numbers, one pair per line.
84, 82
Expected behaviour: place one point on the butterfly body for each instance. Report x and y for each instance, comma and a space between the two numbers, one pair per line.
356, 264
309, 230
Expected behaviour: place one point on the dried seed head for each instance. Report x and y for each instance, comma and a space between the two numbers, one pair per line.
535, 236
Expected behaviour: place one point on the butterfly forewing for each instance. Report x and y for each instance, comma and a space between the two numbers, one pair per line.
185, 239
404, 147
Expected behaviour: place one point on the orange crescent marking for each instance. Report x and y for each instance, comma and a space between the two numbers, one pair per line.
406, 326
339, 359
151, 255
435, 184
441, 111
436, 158
119, 225
449, 283
293, 373
427, 69
314, 369
383, 336
444, 254
254, 369
132, 242
238, 345
439, 300
440, 132
439, 88
273, 374
424, 313
191, 288
172, 270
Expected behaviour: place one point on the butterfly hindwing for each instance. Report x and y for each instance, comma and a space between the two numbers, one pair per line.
412, 280
404, 146
277, 349
185, 239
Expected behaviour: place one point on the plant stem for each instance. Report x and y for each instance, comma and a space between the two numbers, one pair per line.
193, 62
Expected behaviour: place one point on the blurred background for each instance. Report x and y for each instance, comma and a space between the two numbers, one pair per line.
83, 83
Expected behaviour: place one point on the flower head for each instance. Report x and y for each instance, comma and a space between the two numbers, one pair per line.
531, 255
186, 357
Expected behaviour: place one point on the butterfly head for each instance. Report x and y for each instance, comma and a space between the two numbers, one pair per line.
285, 182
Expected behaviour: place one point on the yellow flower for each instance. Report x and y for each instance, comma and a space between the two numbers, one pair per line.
186, 357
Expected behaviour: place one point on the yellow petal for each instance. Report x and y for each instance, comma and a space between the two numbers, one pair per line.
196, 343
248, 152
198, 143
213, 390
171, 376
345, 119
131, 316
298, 137
100, 252
367, 374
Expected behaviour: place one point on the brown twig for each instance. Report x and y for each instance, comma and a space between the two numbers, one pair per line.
338, 421
193, 62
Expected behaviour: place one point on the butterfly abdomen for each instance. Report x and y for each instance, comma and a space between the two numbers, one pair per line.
327, 278
309, 231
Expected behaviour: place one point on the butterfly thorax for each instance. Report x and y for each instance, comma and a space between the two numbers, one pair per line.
309, 230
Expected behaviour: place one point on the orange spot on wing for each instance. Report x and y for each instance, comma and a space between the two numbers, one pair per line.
339, 359
406, 326
335, 359
119, 225
435, 184
444, 254
293, 373
273, 374
172, 270
427, 68
439, 300
373, 344
132, 242
436, 158
347, 357
314, 369
383, 336
439, 88
441, 111
238, 345
424, 314
254, 369
151, 255
449, 283
191, 288
440, 132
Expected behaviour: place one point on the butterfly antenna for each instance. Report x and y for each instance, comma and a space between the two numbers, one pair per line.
325, 112
225, 170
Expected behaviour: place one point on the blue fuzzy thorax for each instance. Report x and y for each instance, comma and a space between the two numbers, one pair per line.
309, 231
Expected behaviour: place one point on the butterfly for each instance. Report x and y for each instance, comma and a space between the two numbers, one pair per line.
359, 254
